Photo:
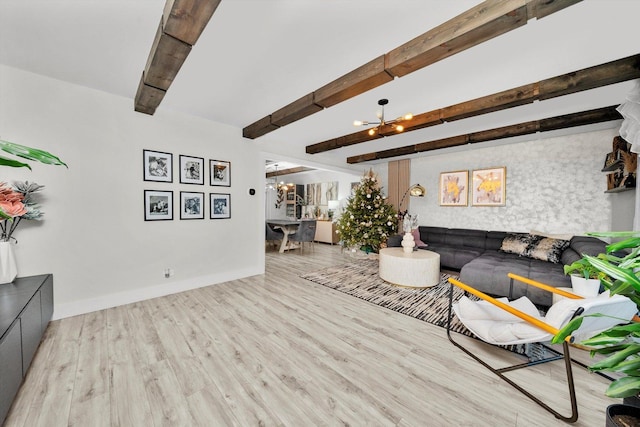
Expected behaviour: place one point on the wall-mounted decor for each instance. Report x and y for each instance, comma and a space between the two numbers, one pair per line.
158, 205
191, 170
158, 166
488, 187
621, 166
220, 205
220, 173
191, 205
453, 188
319, 193
354, 187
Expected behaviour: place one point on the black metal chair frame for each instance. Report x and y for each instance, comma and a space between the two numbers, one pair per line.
500, 371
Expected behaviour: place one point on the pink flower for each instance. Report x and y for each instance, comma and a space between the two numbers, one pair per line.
11, 201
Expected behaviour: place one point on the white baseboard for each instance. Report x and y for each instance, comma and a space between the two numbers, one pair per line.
121, 298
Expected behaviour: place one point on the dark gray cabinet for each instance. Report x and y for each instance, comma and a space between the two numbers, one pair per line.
26, 307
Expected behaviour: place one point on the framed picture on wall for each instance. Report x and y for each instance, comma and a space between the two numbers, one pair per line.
488, 187
220, 206
220, 171
191, 205
191, 170
157, 166
158, 205
454, 188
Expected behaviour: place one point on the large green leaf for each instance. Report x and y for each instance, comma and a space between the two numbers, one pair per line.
624, 244
567, 330
626, 275
12, 163
624, 387
629, 366
30, 153
612, 361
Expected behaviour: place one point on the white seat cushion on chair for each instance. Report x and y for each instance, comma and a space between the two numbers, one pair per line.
496, 326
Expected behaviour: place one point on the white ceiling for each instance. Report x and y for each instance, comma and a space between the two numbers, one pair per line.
256, 56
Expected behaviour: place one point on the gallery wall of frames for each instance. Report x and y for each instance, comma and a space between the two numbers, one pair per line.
159, 204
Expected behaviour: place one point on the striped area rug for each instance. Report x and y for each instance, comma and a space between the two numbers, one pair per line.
361, 280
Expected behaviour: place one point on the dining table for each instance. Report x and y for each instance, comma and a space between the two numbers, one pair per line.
288, 226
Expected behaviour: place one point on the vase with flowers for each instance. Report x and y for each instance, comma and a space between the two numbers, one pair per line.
17, 202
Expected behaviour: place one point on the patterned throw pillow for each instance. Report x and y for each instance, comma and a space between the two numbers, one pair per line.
547, 249
517, 243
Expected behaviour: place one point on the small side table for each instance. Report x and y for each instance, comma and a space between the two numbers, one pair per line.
418, 269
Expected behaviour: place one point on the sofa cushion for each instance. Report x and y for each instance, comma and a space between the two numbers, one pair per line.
494, 239
432, 234
516, 243
547, 249
587, 245
466, 238
488, 273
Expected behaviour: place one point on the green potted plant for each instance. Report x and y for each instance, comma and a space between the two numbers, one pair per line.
619, 271
585, 278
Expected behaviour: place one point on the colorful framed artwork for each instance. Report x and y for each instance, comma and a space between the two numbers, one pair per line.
191, 205
220, 206
220, 171
158, 205
454, 188
191, 170
157, 166
488, 187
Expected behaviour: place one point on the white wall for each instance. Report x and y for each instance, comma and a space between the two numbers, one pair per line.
553, 184
94, 238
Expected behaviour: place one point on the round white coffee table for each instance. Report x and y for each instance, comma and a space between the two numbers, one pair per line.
418, 269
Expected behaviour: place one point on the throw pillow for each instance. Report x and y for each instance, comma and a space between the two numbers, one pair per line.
547, 249
416, 238
517, 243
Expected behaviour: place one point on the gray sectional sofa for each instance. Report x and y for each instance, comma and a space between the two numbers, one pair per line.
477, 254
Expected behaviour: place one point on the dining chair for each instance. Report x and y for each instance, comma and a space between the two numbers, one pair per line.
305, 233
273, 236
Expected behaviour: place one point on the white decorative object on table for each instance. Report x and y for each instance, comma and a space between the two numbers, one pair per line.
8, 267
408, 242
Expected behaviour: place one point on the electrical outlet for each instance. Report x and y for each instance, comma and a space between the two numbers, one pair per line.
168, 272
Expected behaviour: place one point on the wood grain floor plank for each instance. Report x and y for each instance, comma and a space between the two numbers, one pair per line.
276, 350
51, 406
90, 404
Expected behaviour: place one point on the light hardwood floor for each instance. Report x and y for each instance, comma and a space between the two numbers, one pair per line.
275, 350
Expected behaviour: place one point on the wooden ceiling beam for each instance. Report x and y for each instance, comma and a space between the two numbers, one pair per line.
186, 19
290, 171
181, 25
165, 59
541, 8
303, 107
598, 115
588, 78
147, 97
362, 79
483, 22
